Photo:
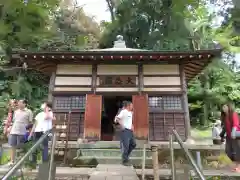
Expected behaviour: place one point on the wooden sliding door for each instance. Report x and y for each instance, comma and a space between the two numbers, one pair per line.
92, 121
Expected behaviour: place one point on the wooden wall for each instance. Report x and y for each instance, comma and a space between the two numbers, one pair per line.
73, 78
117, 70
161, 78
163, 84
165, 113
72, 107
154, 78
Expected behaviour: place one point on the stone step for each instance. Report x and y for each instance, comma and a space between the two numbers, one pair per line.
69, 173
116, 171
94, 160
110, 152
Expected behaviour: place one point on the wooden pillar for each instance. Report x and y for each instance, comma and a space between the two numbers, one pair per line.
51, 86
92, 119
185, 100
94, 78
186, 173
155, 162
140, 79
140, 110
140, 116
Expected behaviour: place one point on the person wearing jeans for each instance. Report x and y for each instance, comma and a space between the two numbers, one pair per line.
127, 139
43, 123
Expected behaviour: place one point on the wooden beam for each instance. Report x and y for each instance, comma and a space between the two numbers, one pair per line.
194, 70
155, 162
140, 78
51, 86
94, 78
185, 100
194, 66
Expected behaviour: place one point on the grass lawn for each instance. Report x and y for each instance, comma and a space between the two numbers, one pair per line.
4, 158
201, 133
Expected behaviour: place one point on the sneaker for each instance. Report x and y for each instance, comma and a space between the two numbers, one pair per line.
10, 163
126, 164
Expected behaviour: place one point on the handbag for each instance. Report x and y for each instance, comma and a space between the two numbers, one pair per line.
235, 134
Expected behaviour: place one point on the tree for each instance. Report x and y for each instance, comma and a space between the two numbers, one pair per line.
49, 25
174, 25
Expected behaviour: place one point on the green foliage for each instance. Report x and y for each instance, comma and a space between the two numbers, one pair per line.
5, 158
50, 25
54, 25
177, 25
159, 25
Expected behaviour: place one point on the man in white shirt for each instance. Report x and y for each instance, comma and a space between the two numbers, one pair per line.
43, 123
127, 140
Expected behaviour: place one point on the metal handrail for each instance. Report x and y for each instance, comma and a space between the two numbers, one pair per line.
187, 153
13, 169
54, 140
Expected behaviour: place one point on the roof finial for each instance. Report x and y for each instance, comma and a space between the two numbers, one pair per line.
119, 43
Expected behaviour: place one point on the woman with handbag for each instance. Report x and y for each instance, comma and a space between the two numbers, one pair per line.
230, 122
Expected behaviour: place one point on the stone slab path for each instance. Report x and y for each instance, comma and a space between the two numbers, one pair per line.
119, 172
113, 172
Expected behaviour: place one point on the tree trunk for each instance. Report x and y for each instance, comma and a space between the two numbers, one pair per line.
111, 9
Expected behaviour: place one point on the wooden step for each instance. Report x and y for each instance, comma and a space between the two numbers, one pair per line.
136, 161
111, 152
116, 171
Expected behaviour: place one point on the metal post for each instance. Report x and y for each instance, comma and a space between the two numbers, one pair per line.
155, 162
20, 162
198, 158
143, 161
173, 170
189, 156
186, 174
50, 175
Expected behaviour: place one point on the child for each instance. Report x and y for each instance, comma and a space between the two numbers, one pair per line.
29, 129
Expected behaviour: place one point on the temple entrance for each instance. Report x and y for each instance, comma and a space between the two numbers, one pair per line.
111, 106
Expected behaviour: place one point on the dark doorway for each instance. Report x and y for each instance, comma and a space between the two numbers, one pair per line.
111, 106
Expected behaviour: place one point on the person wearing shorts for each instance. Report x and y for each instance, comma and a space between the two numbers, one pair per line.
22, 117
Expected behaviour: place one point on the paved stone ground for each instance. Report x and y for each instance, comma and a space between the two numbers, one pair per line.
113, 171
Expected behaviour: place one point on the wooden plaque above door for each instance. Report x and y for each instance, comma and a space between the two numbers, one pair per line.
140, 116
92, 121
117, 81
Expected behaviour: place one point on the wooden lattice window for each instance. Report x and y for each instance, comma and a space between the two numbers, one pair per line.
70, 102
165, 102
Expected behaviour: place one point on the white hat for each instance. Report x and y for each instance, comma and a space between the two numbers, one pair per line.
218, 122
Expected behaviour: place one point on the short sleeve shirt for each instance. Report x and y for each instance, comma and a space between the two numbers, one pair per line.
42, 124
126, 117
21, 119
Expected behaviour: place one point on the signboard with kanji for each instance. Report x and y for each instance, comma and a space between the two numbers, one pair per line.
117, 81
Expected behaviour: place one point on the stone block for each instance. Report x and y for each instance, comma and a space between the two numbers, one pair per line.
43, 171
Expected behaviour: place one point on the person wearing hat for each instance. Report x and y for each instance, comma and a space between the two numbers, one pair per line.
217, 129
